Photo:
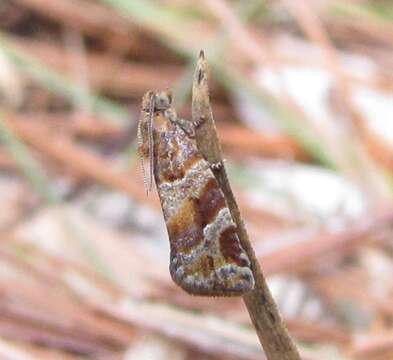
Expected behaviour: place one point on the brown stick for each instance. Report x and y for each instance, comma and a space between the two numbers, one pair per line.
264, 314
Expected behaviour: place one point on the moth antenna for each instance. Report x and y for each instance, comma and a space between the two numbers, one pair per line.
151, 141
141, 155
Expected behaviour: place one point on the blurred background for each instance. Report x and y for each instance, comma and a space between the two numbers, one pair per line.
302, 93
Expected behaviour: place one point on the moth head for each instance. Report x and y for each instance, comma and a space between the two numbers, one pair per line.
162, 100
152, 103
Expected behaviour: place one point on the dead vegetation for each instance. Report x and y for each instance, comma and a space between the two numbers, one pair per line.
302, 95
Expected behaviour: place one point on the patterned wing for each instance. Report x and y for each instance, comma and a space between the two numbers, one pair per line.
206, 255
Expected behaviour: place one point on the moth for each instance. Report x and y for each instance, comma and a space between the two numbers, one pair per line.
206, 257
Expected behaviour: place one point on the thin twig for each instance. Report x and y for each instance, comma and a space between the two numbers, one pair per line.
264, 314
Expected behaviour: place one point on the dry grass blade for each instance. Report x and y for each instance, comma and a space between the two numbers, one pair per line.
61, 150
302, 95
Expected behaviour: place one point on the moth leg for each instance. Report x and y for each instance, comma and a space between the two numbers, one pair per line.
199, 122
189, 128
186, 126
217, 165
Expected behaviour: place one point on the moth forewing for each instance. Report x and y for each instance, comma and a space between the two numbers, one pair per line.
206, 254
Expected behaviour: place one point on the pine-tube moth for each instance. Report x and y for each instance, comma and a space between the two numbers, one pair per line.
206, 257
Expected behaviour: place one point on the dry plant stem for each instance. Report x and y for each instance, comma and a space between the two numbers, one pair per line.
264, 314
